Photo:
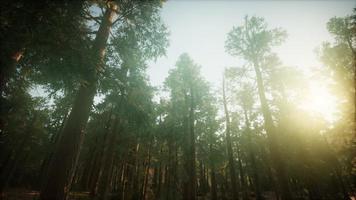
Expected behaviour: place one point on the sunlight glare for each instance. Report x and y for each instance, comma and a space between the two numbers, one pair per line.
319, 101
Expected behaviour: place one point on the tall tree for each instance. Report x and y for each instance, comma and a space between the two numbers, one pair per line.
253, 41
187, 93
66, 156
235, 194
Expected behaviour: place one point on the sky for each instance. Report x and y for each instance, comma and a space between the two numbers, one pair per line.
200, 28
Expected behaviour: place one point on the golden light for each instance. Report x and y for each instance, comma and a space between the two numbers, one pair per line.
319, 101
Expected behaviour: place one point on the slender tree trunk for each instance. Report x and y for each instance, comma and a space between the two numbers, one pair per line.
106, 172
135, 183
124, 181
234, 191
159, 184
175, 171
66, 156
202, 182
189, 182
145, 181
214, 195
252, 156
167, 174
278, 163
10, 167
242, 176
100, 156
192, 174
89, 165
155, 178
224, 186
48, 158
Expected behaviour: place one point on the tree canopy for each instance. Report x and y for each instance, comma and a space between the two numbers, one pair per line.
101, 130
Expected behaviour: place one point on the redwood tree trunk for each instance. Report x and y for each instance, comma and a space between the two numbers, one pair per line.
65, 158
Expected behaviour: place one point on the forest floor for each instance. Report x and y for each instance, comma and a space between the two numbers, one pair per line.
25, 194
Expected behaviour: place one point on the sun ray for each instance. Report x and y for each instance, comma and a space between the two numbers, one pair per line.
318, 100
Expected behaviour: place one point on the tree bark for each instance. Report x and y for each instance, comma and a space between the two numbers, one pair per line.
65, 158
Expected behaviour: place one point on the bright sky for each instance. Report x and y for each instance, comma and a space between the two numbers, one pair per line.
199, 28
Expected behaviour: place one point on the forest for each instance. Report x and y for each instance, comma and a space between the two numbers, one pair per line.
99, 129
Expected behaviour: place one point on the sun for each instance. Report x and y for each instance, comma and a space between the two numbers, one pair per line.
319, 101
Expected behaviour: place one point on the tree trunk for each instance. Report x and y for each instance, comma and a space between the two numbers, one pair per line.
234, 191
202, 182
136, 176
106, 172
159, 177
252, 156
214, 195
242, 176
48, 158
192, 173
15, 158
65, 158
145, 181
189, 182
278, 163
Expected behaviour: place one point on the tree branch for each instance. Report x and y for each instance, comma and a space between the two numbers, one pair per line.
88, 16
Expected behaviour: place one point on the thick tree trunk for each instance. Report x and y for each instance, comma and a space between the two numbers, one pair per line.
277, 161
65, 158
234, 191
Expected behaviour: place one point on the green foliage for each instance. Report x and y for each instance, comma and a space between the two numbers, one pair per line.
253, 40
143, 145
